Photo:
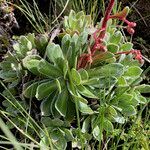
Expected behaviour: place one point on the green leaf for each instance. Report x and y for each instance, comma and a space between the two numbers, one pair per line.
84, 75
48, 69
142, 99
127, 46
76, 96
106, 82
116, 38
84, 108
45, 106
66, 23
53, 110
108, 126
86, 125
16, 47
32, 63
30, 90
45, 89
129, 111
127, 60
65, 43
5, 65
75, 39
106, 38
31, 38
8, 74
48, 122
103, 57
62, 65
122, 89
71, 17
79, 14
124, 100
119, 119
96, 133
29, 45
58, 139
41, 42
88, 20
71, 111
68, 135
83, 38
92, 81
133, 71
143, 88
58, 86
114, 48
53, 52
122, 81
61, 103
111, 111
85, 92
114, 69
75, 76
23, 40
24, 46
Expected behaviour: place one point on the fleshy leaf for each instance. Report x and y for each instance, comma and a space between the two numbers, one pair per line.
108, 126
114, 69
45, 106
77, 96
133, 71
143, 88
129, 111
75, 76
124, 100
65, 43
53, 52
96, 133
122, 81
86, 125
84, 108
126, 47
32, 64
48, 69
30, 91
45, 89
85, 92
84, 75
61, 103
116, 38
114, 48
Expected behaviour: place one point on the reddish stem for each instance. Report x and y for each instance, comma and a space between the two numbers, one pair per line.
106, 18
102, 30
137, 53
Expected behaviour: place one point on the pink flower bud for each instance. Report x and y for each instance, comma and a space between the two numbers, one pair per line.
132, 24
130, 30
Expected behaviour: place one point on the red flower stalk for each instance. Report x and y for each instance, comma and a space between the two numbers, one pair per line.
98, 45
99, 35
137, 54
122, 16
106, 18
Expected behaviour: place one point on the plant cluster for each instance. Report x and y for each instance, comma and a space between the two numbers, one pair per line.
89, 76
